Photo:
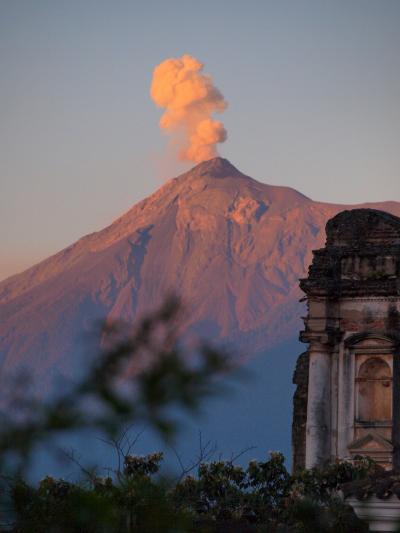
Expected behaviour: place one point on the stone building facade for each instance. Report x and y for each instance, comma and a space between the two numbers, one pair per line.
347, 400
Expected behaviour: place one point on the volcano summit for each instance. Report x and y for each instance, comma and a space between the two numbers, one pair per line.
231, 247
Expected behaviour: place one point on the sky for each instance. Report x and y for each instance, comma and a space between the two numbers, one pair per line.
313, 92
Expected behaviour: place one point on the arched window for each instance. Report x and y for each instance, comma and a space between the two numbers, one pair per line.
374, 391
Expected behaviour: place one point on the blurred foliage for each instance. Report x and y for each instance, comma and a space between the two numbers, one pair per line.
138, 378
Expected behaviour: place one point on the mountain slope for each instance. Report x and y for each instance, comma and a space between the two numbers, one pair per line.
233, 248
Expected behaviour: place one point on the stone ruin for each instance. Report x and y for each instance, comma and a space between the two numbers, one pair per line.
347, 400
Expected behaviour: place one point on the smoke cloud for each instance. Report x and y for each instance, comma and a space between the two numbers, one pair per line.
189, 98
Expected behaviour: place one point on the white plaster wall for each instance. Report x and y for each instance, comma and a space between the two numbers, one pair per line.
363, 315
331, 395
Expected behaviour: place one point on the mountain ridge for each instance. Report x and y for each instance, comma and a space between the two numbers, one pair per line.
232, 247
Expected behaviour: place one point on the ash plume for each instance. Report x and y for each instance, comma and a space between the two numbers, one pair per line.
189, 98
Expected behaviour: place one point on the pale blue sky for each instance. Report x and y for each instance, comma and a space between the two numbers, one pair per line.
313, 90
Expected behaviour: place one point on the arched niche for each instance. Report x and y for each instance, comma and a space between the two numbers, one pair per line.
372, 354
374, 391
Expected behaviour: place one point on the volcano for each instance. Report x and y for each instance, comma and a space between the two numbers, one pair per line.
232, 248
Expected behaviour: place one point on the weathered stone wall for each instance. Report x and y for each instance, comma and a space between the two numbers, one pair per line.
353, 298
300, 378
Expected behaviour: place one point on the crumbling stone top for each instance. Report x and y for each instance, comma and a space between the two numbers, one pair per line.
360, 227
361, 256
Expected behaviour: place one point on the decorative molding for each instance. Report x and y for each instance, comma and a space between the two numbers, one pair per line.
381, 515
356, 338
361, 444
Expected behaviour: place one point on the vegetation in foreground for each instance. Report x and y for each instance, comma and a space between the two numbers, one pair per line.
219, 497
145, 376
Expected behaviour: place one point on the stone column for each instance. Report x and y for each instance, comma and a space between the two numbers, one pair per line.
346, 401
318, 407
396, 411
